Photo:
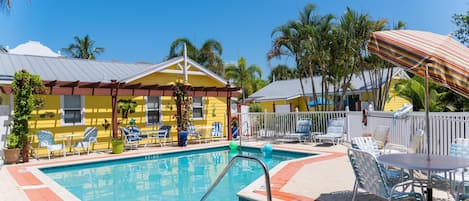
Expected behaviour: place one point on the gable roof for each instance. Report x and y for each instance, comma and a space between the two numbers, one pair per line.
290, 89
162, 66
67, 69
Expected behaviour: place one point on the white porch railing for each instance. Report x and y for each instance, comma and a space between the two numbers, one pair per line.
445, 127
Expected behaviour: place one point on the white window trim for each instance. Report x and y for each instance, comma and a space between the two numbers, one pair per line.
62, 122
203, 109
146, 111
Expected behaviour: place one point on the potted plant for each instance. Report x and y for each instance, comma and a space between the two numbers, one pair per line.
183, 109
125, 107
25, 86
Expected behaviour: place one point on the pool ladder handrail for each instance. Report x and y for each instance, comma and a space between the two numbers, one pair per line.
233, 160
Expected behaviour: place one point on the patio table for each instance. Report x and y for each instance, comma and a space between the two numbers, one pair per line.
438, 163
68, 138
153, 135
204, 132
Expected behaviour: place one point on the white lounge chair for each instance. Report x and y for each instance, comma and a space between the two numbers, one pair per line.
335, 131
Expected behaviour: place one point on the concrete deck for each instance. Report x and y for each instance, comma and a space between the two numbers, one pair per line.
327, 176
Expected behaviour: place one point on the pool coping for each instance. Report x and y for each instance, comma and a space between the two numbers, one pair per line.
38, 186
282, 173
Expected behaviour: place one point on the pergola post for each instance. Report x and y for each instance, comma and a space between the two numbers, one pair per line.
228, 112
114, 109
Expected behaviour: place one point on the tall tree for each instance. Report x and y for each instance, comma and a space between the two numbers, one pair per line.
281, 72
209, 55
462, 21
354, 29
3, 49
376, 71
289, 41
5, 4
244, 76
83, 48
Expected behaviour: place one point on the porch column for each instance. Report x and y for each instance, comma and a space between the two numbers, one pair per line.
114, 109
228, 112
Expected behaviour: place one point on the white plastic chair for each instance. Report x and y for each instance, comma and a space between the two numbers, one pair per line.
89, 138
369, 176
46, 139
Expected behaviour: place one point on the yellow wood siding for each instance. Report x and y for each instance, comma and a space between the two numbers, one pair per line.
98, 108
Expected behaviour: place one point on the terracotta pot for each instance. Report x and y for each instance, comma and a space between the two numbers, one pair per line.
11, 155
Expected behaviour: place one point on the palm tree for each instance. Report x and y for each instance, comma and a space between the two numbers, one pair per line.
5, 4
289, 41
3, 49
208, 55
281, 72
243, 76
414, 91
83, 48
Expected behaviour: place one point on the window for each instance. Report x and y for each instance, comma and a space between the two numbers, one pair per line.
197, 108
72, 107
153, 109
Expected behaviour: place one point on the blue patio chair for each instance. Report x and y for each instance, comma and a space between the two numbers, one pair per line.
131, 139
368, 144
164, 133
455, 181
369, 176
216, 129
46, 139
135, 130
302, 130
89, 138
335, 131
192, 132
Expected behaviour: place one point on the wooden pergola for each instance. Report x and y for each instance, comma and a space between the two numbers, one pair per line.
115, 88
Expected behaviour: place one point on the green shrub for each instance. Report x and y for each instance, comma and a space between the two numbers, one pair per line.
256, 107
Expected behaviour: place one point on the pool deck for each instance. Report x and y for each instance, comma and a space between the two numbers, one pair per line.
326, 176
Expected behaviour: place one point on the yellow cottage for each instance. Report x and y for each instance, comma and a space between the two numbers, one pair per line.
80, 94
286, 95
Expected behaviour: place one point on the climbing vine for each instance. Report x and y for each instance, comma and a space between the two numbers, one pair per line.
25, 86
183, 106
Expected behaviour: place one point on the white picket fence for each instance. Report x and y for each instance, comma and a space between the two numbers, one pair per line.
445, 127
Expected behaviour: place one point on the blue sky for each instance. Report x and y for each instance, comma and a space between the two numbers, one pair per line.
133, 31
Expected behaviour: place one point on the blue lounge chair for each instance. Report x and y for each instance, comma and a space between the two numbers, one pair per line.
46, 139
192, 132
302, 130
89, 137
369, 176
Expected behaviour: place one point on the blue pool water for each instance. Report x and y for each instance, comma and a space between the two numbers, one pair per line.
175, 176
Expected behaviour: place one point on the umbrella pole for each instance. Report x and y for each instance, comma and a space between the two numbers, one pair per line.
427, 108
427, 123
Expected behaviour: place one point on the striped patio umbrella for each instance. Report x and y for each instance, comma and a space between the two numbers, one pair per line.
428, 55
447, 59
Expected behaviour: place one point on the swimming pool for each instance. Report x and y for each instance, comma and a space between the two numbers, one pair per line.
173, 176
